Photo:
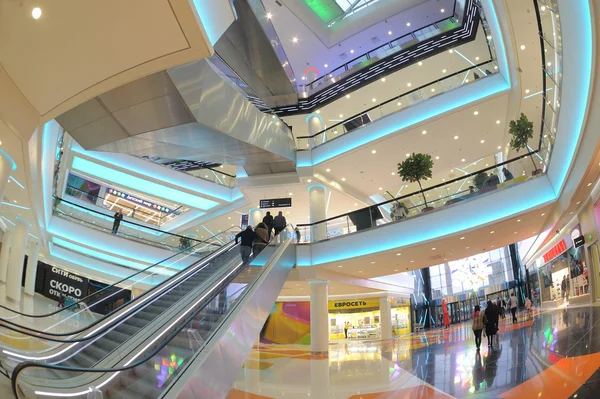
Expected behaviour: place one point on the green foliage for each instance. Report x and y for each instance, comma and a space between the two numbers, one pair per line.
184, 243
521, 131
480, 180
416, 168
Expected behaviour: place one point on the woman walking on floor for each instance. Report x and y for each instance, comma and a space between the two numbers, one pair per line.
491, 322
478, 325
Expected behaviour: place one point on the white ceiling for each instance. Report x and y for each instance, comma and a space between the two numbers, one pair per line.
310, 51
396, 84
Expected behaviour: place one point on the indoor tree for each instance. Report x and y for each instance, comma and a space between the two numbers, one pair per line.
521, 131
479, 180
416, 168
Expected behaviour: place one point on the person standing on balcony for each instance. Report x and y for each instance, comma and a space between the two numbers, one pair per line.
118, 217
268, 221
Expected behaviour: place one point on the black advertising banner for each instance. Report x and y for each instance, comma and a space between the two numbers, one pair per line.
59, 281
275, 203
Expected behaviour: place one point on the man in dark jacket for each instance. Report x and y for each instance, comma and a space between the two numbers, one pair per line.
118, 217
247, 236
279, 223
268, 221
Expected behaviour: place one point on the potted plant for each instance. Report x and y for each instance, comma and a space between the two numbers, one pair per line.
521, 131
479, 180
184, 244
414, 169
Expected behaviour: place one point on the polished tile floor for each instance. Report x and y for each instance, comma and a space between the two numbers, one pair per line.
554, 355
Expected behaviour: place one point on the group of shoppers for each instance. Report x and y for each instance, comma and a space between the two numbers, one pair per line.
488, 320
253, 241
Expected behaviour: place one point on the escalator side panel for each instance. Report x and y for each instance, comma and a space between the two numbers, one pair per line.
213, 371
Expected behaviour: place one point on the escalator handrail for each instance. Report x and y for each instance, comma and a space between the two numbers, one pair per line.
48, 335
113, 284
23, 365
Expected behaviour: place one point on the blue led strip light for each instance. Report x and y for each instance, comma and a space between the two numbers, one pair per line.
428, 48
141, 185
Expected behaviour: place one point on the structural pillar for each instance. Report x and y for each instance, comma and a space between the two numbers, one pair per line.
319, 318
385, 317
315, 125
316, 198
256, 216
15, 260
499, 158
6, 166
6, 243
31, 273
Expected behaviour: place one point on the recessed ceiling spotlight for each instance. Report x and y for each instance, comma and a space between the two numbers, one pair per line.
318, 111
462, 238
476, 58
433, 249
374, 152
389, 32
343, 179
412, 261
543, 8
543, 214
269, 15
347, 95
442, 10
36, 13
482, 141
424, 132
443, 70
398, 254
351, 51
355, 204
498, 122
290, 194
578, 203
499, 147
527, 91
451, 51
455, 137
437, 157
409, 84
467, 247
492, 232
373, 99
303, 77
327, 170
589, 184
295, 39
408, 24
518, 220
309, 180
393, 173
380, 188
341, 115
495, 66
407, 155
399, 104
476, 113
432, 90
420, 63
522, 47
462, 160
383, 79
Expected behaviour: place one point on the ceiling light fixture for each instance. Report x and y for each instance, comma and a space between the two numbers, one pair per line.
383, 79
408, 24
269, 15
399, 104
498, 122
443, 71
343, 179
455, 137
462, 160
462, 238
398, 254
341, 115
326, 66
518, 220
309, 180
499, 147
409, 84
347, 95
424, 132
476, 58
482, 141
451, 51
36, 13
374, 152
527, 91
437, 157
407, 155
380, 188
327, 170
492, 232
351, 51
442, 10
290, 194
420, 63
522, 47
476, 113
373, 99
389, 32
295, 39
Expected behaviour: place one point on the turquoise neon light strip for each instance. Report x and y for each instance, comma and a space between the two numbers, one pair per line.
12, 161
15, 180
106, 257
144, 186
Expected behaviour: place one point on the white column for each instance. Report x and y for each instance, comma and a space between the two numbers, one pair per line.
6, 166
319, 378
385, 318
319, 319
316, 197
32, 263
15, 260
498, 158
6, 243
315, 125
256, 216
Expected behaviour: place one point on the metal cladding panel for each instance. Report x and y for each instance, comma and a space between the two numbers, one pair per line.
213, 372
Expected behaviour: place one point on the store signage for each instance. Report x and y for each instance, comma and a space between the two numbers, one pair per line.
275, 203
61, 282
579, 241
354, 304
184, 165
555, 251
139, 201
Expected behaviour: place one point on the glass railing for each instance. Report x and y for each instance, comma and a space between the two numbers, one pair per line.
76, 315
144, 234
520, 170
150, 368
405, 100
390, 48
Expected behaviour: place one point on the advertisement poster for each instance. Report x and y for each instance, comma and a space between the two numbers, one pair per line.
59, 281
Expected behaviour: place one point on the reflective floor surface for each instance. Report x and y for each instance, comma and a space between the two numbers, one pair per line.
554, 355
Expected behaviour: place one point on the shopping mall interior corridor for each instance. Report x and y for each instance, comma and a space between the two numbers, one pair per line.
556, 354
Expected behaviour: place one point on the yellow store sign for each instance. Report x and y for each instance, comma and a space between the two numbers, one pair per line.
354, 304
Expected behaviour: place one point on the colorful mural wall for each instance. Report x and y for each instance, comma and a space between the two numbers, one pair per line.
288, 323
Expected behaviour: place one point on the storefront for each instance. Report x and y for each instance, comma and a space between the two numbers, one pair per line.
364, 318
563, 275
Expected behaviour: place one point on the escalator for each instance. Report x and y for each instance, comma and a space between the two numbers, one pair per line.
159, 338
